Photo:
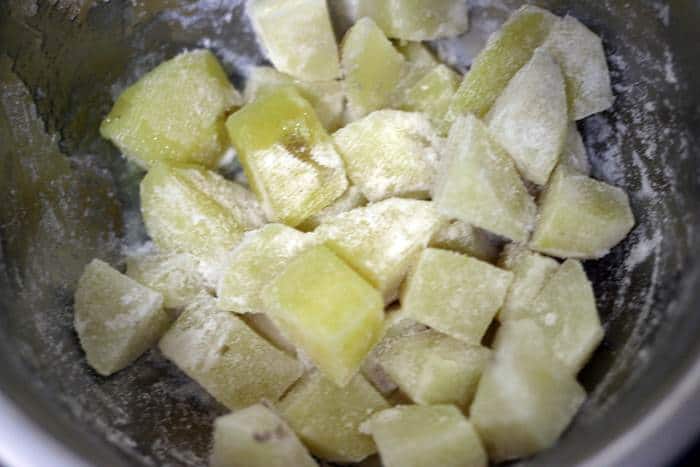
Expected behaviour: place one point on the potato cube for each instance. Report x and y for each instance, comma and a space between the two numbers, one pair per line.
187, 209
226, 357
390, 153
526, 396
432, 368
530, 118
455, 294
531, 271
566, 311
372, 68
327, 417
176, 276
382, 240
508, 50
297, 36
116, 318
417, 55
351, 199
421, 436
287, 156
432, 93
326, 97
581, 217
327, 310
582, 58
463, 238
478, 183
254, 263
257, 437
575, 158
174, 113
263, 325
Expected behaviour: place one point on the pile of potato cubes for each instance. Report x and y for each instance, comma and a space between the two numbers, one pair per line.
390, 278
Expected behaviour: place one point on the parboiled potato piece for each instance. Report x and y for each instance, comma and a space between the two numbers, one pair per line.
257, 437
327, 417
372, 68
254, 263
116, 318
432, 94
581, 217
174, 113
351, 199
575, 157
188, 209
531, 271
287, 156
420, 436
176, 276
390, 153
417, 55
432, 368
529, 120
454, 294
478, 183
297, 36
580, 53
381, 240
463, 238
526, 397
263, 325
327, 310
506, 52
326, 97
226, 357
566, 311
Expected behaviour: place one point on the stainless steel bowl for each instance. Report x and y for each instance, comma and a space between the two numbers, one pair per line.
67, 196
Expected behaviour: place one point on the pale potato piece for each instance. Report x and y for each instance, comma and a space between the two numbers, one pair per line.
174, 113
381, 240
226, 357
417, 55
531, 271
580, 53
420, 436
463, 238
581, 217
575, 157
390, 153
526, 397
263, 325
530, 118
432, 93
116, 318
259, 257
297, 36
327, 417
257, 437
351, 199
454, 294
372, 68
478, 183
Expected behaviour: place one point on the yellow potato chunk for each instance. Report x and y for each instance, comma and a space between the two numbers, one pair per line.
327, 417
351, 199
297, 36
580, 53
454, 294
575, 157
508, 50
257, 437
432, 93
263, 325
326, 97
174, 113
328, 310
254, 263
381, 240
372, 68
390, 153
287, 156
478, 183
116, 318
530, 118
419, 61
531, 271
421, 436
187, 209
581, 217
432, 368
463, 238
176, 276
566, 311
226, 357
526, 397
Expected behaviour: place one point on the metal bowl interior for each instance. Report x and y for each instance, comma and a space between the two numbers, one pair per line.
68, 197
